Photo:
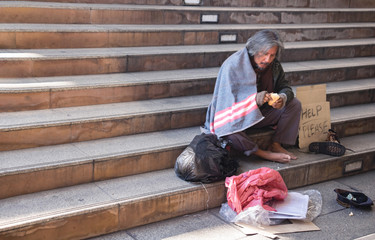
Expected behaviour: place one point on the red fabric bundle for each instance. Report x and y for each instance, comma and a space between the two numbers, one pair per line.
255, 187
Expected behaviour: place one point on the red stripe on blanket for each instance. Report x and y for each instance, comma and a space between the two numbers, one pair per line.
234, 112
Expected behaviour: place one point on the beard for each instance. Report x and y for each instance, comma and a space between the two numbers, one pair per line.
263, 65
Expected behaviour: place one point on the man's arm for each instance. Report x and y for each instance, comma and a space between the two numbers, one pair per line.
281, 85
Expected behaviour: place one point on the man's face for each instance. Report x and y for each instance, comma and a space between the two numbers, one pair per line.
263, 59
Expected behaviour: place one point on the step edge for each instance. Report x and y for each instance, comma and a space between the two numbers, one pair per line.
14, 224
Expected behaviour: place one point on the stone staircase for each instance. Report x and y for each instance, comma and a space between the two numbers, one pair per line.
98, 98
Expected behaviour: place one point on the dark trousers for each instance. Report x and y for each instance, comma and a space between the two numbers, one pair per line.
285, 121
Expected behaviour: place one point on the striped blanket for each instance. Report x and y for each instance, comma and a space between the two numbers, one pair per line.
233, 107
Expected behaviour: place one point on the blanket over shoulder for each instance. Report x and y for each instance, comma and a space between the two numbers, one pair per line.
233, 107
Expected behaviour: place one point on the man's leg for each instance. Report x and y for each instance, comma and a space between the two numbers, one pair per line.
287, 128
242, 143
288, 124
286, 121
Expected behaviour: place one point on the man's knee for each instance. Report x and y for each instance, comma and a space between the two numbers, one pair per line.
295, 104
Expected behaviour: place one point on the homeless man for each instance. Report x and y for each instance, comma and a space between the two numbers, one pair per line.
242, 95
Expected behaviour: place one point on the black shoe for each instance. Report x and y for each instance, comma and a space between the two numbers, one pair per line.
329, 148
355, 199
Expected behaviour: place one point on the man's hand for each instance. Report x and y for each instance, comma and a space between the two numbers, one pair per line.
278, 104
267, 97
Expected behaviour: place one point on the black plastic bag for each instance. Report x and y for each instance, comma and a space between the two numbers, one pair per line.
205, 160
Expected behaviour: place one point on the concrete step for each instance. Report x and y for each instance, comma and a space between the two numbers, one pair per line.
29, 36
240, 3
85, 171
79, 13
209, 224
359, 119
351, 92
19, 63
66, 125
288, 3
112, 205
18, 94
42, 168
335, 70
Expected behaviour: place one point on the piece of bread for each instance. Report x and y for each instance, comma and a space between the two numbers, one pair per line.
274, 97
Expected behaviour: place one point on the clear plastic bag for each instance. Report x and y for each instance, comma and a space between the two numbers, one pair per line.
226, 213
257, 215
315, 204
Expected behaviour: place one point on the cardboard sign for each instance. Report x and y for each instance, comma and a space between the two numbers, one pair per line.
315, 115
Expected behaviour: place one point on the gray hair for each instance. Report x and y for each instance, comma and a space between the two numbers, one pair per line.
264, 40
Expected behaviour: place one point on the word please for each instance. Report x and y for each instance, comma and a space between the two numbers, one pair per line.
311, 129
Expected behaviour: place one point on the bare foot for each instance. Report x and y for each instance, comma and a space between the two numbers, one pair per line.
277, 148
272, 156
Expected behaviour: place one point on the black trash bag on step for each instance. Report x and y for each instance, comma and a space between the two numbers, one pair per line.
205, 160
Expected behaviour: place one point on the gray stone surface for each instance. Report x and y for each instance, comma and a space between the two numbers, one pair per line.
49, 203
128, 79
165, 50
63, 116
334, 222
171, 7
112, 80
127, 145
83, 197
120, 51
359, 142
347, 86
361, 183
328, 64
202, 225
82, 152
253, 162
144, 185
350, 85
114, 236
340, 114
82, 28
28, 159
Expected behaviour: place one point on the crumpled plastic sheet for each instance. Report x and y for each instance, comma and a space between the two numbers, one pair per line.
258, 216
255, 187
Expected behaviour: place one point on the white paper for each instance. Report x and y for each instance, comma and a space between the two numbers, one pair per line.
294, 206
